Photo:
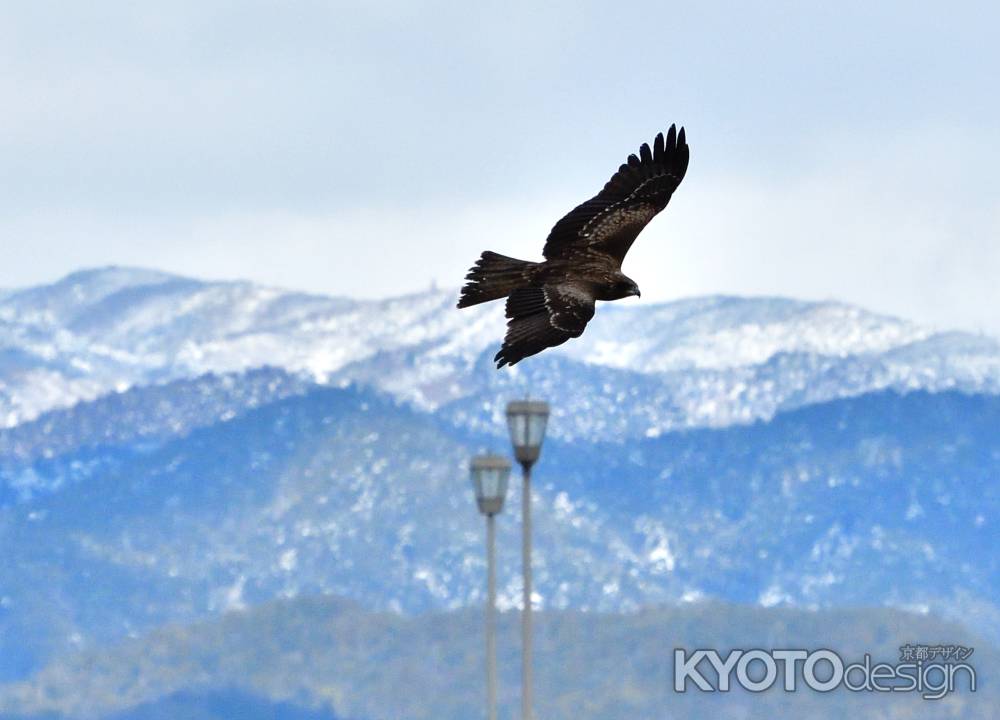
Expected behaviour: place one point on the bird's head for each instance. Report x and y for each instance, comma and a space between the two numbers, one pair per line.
624, 286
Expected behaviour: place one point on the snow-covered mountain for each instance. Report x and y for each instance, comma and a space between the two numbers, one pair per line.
702, 362
174, 449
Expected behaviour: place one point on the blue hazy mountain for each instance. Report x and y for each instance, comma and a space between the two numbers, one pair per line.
884, 499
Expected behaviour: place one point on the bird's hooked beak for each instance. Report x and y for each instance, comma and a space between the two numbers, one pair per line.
635, 291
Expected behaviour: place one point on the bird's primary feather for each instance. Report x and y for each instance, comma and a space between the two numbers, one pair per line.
610, 221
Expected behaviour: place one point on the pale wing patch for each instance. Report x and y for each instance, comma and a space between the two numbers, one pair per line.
620, 222
570, 307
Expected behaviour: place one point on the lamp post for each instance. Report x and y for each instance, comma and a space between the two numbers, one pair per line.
526, 420
489, 479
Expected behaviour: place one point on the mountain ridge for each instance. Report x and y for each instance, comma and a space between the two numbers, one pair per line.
420, 349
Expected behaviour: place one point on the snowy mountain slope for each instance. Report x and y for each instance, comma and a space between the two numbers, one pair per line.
95, 331
143, 415
714, 361
726, 332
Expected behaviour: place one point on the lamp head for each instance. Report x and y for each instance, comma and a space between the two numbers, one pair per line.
526, 420
490, 474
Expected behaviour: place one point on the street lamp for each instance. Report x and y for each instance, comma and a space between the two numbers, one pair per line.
489, 479
526, 420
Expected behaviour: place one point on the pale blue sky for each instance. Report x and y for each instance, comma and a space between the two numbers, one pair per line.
838, 149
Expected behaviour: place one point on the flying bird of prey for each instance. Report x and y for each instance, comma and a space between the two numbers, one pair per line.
552, 301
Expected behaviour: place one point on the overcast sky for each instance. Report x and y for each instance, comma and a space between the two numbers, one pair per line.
839, 150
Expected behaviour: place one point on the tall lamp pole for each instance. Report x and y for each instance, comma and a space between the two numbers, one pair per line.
526, 420
490, 474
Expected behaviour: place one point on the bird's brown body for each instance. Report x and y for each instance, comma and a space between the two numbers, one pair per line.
552, 301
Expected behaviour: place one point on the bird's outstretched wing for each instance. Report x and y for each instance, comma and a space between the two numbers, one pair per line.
610, 221
543, 317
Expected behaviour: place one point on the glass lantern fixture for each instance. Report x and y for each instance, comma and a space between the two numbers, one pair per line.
490, 475
526, 420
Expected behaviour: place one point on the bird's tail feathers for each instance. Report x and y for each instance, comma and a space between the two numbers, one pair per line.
492, 277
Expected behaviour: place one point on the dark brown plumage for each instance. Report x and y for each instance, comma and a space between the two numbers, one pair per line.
552, 301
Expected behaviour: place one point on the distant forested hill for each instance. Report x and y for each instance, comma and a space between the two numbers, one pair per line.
314, 653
